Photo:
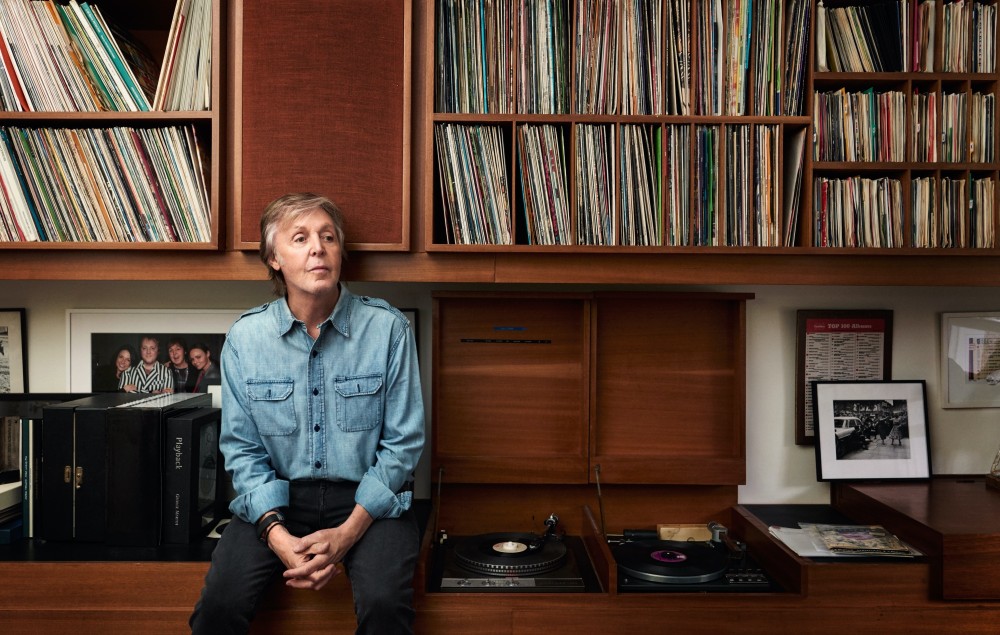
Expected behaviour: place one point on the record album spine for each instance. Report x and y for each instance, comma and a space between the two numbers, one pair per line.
27, 477
177, 481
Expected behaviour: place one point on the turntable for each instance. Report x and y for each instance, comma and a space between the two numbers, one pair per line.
648, 564
513, 561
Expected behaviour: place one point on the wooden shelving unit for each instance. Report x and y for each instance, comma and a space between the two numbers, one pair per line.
963, 166
810, 261
260, 148
150, 27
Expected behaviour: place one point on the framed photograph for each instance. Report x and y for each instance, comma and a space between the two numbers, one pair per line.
871, 430
970, 360
13, 351
99, 338
837, 345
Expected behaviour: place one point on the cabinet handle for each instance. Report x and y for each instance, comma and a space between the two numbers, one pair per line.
79, 477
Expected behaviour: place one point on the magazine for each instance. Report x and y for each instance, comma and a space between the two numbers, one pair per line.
807, 541
859, 539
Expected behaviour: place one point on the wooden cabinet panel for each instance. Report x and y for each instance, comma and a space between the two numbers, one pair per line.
545, 388
510, 389
668, 376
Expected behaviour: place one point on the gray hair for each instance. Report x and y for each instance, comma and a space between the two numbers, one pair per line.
284, 209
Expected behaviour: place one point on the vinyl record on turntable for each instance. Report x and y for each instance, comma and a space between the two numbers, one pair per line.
670, 561
509, 554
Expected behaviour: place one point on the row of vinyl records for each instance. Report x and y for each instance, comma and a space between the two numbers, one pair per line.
68, 58
891, 36
698, 202
629, 57
869, 212
870, 126
684, 208
117, 184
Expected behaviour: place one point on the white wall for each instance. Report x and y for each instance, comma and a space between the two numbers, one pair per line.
963, 441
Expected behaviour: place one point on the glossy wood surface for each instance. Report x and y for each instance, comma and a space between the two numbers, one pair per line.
955, 521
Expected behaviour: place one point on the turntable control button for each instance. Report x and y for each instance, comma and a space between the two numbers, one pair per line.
464, 582
512, 582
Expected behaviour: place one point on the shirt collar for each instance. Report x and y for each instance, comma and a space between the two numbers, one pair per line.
340, 318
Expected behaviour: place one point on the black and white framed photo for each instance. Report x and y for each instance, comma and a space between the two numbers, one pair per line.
871, 430
970, 360
13, 351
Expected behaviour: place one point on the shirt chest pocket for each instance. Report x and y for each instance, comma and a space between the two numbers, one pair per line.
271, 406
359, 402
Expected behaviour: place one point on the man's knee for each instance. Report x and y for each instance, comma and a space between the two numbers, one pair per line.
384, 610
222, 613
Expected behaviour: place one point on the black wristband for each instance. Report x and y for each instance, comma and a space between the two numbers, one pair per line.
267, 531
265, 523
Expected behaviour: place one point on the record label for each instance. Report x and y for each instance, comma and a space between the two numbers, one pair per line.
510, 546
669, 556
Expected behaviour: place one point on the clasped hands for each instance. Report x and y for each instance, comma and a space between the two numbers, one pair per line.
312, 560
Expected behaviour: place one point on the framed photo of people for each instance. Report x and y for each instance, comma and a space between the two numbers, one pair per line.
109, 347
970, 360
837, 345
871, 430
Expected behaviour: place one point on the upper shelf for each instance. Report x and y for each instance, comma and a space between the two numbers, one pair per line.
857, 267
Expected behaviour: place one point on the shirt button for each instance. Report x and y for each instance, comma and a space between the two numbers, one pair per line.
316, 429
315, 391
318, 465
315, 353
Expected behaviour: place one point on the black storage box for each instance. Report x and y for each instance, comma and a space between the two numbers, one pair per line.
101, 473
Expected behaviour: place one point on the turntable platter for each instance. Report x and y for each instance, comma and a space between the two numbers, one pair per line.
671, 562
509, 554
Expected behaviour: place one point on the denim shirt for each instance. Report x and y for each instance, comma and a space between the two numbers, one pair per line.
346, 406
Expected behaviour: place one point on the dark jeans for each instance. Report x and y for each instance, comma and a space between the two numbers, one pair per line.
380, 566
